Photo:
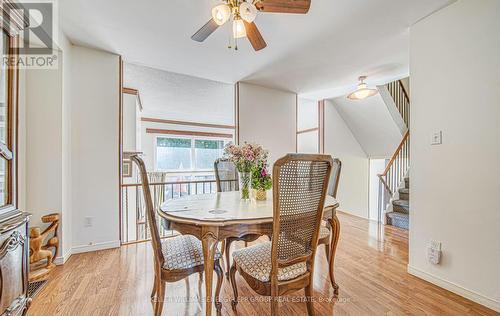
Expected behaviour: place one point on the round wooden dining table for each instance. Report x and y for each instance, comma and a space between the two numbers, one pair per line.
214, 217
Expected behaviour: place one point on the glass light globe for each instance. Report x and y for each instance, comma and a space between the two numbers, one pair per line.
221, 13
362, 92
239, 28
248, 12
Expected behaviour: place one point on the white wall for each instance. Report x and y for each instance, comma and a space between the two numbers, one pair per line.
371, 123
43, 126
130, 121
340, 143
267, 117
67, 190
95, 110
307, 114
377, 167
44, 150
307, 118
455, 66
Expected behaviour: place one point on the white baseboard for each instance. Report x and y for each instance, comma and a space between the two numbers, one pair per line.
96, 246
457, 289
62, 259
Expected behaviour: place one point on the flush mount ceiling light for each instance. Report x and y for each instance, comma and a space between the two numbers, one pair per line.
242, 14
362, 92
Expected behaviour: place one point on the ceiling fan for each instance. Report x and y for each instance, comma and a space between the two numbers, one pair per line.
243, 13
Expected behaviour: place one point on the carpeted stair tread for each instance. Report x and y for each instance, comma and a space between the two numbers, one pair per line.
401, 206
404, 194
398, 219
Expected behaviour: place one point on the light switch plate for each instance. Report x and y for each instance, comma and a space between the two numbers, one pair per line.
88, 221
437, 138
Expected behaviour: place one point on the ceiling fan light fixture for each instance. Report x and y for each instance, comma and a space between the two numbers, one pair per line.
221, 13
248, 12
362, 92
239, 30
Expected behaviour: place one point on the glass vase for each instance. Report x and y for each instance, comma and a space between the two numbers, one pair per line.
245, 181
260, 195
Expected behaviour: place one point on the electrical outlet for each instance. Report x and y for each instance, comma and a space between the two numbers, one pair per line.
437, 138
88, 222
436, 245
434, 252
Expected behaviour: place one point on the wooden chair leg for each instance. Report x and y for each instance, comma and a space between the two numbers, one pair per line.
274, 300
309, 298
228, 256
159, 298
232, 274
220, 276
274, 305
200, 283
327, 252
335, 239
153, 292
188, 288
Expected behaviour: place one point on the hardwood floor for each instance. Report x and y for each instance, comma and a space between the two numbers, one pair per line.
370, 268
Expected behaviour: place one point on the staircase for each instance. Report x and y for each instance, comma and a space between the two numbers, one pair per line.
400, 216
394, 179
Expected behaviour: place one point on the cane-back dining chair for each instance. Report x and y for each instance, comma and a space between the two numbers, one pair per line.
331, 226
286, 263
175, 258
226, 177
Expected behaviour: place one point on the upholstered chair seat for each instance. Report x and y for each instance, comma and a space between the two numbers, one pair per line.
256, 261
183, 252
324, 232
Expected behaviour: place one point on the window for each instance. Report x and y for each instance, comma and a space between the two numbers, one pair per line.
188, 160
189, 155
206, 152
8, 103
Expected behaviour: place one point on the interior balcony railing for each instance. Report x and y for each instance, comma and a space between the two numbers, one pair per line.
401, 99
134, 221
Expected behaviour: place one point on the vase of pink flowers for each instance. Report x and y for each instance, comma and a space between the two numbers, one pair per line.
245, 157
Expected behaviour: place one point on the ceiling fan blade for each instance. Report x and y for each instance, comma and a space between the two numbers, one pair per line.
205, 31
254, 36
284, 6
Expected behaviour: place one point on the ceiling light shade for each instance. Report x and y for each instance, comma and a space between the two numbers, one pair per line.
221, 13
362, 92
239, 30
248, 12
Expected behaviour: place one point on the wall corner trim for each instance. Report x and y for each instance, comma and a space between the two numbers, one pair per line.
60, 260
455, 288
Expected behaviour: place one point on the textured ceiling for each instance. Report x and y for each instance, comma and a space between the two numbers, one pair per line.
317, 55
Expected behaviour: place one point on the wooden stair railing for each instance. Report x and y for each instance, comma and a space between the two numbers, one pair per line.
401, 99
397, 167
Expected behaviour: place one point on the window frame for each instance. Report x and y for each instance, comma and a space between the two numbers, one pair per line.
193, 171
8, 150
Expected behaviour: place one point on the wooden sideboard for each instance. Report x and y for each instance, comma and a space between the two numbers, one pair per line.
14, 254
